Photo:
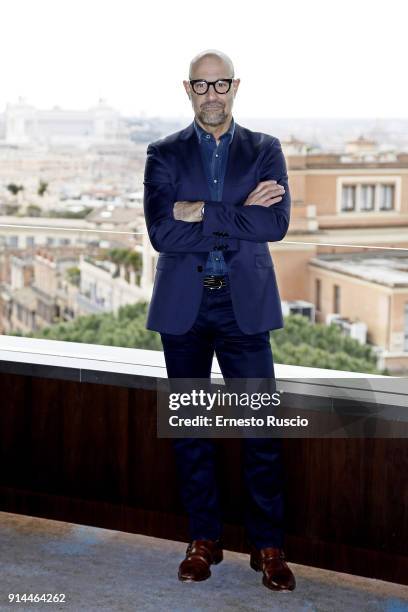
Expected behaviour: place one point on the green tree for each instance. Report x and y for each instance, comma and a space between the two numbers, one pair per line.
33, 210
12, 209
125, 328
14, 189
126, 257
42, 188
73, 275
298, 343
301, 342
69, 214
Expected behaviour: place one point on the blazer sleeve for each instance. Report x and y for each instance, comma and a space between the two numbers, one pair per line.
165, 232
255, 222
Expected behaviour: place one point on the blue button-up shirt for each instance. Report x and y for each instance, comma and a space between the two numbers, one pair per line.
215, 160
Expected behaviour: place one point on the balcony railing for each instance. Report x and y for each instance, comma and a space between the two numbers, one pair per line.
79, 443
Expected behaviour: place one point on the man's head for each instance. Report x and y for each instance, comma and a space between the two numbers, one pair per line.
211, 108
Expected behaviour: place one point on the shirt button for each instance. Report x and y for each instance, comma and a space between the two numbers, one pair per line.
215, 180
216, 155
207, 136
217, 259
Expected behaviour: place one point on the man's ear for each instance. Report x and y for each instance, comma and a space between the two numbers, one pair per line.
187, 88
236, 85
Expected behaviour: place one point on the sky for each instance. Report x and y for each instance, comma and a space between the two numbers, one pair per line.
314, 58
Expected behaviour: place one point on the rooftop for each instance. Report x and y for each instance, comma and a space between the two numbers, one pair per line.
385, 269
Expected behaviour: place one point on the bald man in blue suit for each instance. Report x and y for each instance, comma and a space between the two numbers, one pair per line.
215, 194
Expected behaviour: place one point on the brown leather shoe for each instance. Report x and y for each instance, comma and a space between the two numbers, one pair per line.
200, 554
276, 573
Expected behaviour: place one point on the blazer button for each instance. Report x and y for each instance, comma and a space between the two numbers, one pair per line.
199, 268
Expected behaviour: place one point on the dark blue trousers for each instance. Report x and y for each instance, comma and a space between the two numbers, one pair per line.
239, 355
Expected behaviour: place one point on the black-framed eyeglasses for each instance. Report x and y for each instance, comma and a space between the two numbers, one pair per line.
201, 86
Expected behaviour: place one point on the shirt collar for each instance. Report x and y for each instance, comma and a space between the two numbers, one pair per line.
227, 135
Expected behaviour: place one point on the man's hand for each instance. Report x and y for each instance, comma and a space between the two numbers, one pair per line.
187, 211
265, 194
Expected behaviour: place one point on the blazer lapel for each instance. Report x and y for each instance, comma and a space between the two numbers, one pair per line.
239, 160
192, 162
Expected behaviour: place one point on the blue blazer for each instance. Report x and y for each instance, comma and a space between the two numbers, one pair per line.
173, 172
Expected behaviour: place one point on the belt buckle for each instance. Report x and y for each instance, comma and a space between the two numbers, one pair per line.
219, 280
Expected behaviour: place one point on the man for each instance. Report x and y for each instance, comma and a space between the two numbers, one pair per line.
215, 194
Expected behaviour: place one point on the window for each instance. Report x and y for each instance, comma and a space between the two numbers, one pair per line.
367, 197
386, 197
336, 299
364, 195
348, 201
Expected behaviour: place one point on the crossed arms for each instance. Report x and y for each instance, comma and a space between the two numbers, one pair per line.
263, 217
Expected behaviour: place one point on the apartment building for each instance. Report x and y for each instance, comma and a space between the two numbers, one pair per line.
347, 204
369, 288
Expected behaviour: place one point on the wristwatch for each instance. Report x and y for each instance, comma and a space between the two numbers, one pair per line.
202, 211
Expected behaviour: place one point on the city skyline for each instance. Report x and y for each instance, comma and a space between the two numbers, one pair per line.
294, 60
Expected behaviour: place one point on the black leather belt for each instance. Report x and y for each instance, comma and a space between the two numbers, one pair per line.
215, 282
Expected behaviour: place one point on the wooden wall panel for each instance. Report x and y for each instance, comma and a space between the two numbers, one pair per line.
88, 453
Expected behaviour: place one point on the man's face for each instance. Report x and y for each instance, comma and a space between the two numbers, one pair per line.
212, 108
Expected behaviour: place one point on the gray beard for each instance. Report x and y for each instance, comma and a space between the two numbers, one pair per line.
212, 118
